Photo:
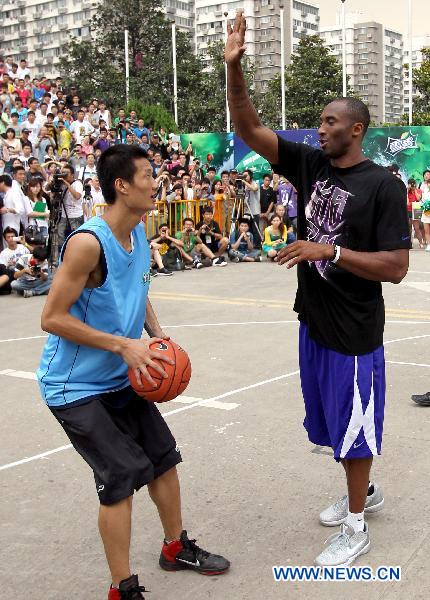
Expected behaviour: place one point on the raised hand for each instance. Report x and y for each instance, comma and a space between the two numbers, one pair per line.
235, 45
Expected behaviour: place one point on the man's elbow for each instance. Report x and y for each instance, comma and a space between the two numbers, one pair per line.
399, 274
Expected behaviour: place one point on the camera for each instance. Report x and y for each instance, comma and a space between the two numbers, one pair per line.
87, 189
239, 186
57, 180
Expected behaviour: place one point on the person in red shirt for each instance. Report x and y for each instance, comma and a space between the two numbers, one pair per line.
23, 93
415, 195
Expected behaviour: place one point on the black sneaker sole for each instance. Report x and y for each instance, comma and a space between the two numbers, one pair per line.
168, 566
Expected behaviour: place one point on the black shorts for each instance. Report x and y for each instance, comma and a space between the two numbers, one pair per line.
127, 447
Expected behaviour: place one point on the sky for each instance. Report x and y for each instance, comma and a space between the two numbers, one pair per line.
381, 11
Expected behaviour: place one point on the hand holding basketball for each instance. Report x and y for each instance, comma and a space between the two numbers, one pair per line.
178, 369
139, 355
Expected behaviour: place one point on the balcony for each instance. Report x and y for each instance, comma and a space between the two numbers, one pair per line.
63, 10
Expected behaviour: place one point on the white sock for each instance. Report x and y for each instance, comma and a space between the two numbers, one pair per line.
356, 521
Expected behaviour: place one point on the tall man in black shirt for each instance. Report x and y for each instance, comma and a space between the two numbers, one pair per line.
352, 234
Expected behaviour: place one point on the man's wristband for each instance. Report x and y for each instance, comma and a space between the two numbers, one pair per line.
336, 256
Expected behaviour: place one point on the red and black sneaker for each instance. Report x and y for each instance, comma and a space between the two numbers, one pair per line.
185, 554
129, 589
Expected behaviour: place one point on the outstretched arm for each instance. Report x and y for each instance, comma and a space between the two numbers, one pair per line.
246, 121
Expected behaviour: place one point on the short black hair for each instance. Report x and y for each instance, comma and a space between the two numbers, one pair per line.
163, 225
17, 168
117, 162
357, 110
189, 219
207, 209
40, 252
10, 230
267, 175
211, 169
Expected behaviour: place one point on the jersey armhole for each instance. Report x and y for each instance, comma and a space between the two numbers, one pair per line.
102, 260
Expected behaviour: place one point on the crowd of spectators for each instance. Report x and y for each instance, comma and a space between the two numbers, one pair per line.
44, 127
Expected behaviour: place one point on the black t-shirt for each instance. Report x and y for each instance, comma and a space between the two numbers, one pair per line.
267, 196
362, 208
213, 228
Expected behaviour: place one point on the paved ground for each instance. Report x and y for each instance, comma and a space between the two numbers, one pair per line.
252, 484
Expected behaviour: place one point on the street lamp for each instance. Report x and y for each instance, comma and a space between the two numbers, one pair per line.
343, 50
175, 75
227, 108
127, 66
410, 62
281, 17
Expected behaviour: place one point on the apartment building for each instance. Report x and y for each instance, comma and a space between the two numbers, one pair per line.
263, 38
36, 29
374, 62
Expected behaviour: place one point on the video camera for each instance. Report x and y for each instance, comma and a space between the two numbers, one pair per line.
239, 186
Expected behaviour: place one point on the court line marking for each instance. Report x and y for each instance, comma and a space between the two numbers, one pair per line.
190, 406
410, 364
166, 414
180, 399
223, 324
413, 337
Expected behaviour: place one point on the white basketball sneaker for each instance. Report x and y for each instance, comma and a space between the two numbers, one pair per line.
336, 513
344, 547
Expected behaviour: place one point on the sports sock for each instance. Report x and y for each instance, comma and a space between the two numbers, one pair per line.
356, 521
371, 489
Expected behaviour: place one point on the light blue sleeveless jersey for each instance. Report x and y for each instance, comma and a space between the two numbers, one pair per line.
70, 372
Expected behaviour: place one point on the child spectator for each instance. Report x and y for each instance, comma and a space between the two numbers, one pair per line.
242, 244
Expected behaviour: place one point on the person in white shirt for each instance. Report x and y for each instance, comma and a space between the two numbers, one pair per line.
12, 203
80, 128
23, 69
94, 198
104, 114
72, 213
41, 113
89, 169
26, 155
8, 259
32, 125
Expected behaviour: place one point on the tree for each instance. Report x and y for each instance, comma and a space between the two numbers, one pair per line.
312, 79
211, 112
421, 80
97, 67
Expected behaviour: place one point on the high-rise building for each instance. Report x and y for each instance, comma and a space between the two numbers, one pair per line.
374, 62
263, 37
36, 29
418, 43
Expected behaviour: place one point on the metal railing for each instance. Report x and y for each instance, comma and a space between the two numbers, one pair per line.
173, 213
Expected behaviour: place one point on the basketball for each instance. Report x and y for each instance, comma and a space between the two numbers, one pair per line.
179, 374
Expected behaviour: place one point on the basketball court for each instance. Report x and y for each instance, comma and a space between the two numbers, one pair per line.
252, 484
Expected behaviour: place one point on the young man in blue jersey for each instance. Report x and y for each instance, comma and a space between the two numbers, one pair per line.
95, 312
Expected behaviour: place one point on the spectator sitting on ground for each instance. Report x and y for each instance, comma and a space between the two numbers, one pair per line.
31, 275
242, 244
210, 232
192, 247
168, 247
8, 258
281, 211
275, 237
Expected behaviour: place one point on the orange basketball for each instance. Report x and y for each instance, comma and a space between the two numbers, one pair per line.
179, 374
